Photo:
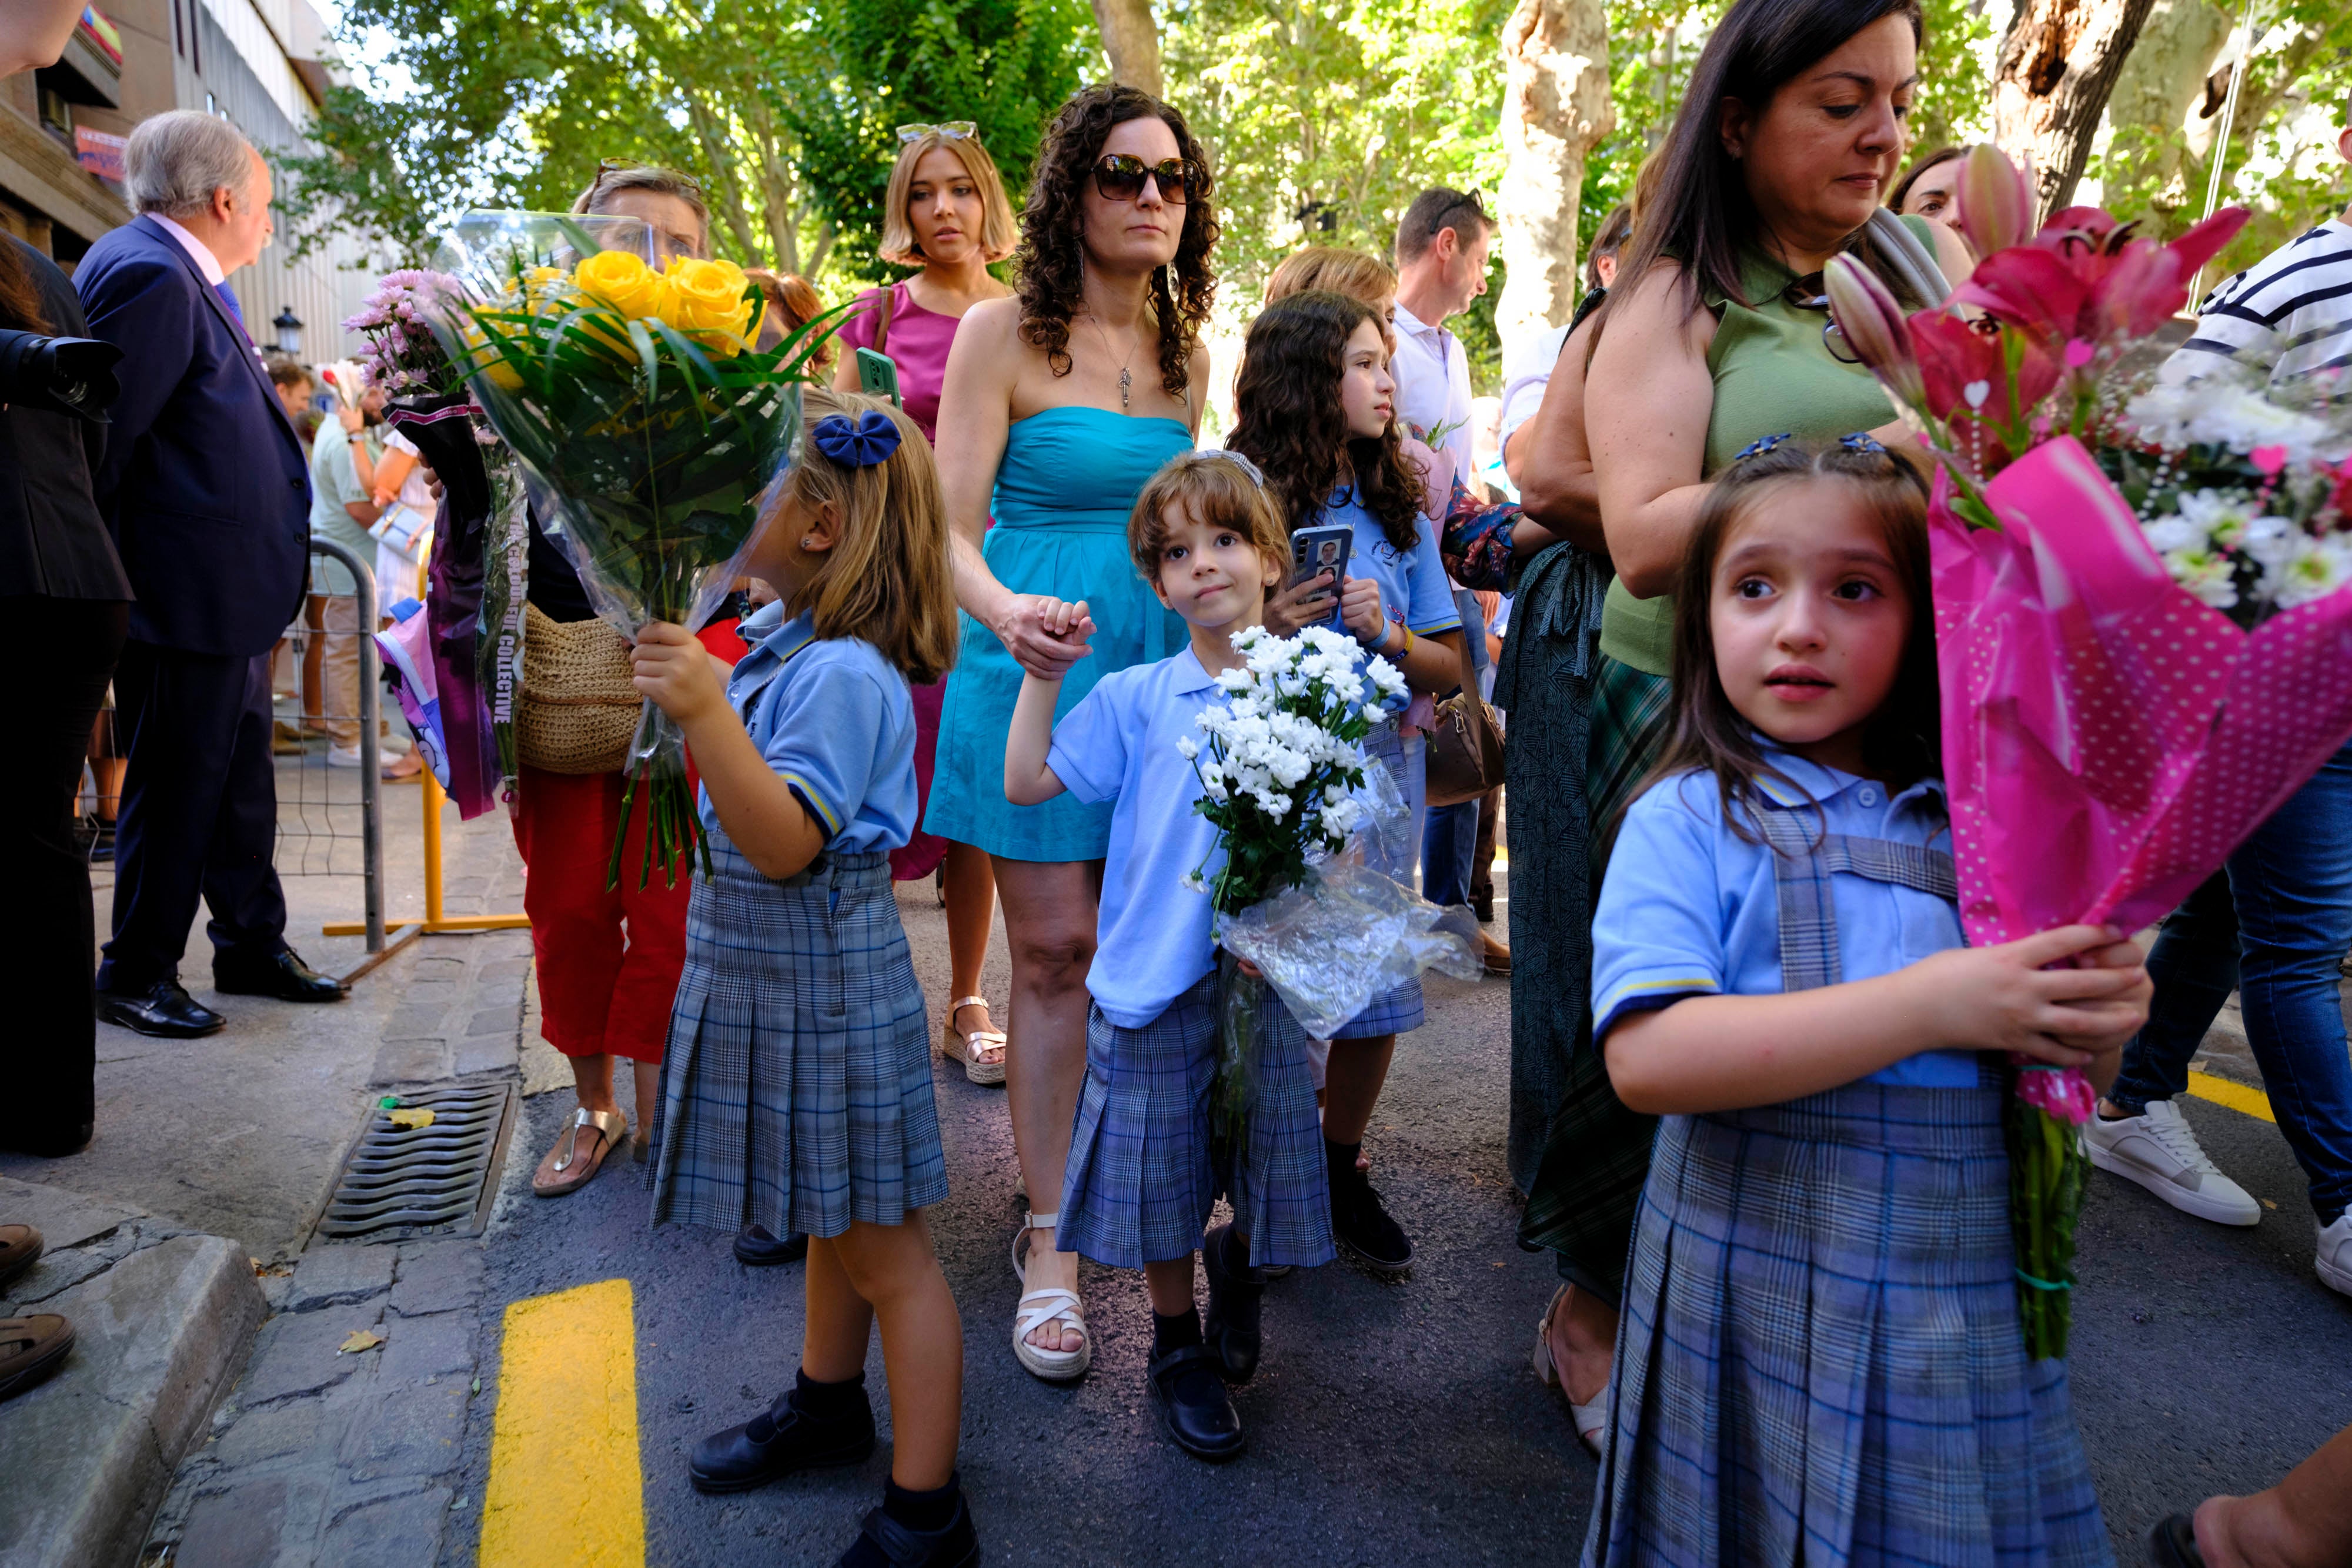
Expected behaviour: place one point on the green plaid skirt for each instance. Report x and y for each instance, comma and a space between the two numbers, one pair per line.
1590, 1186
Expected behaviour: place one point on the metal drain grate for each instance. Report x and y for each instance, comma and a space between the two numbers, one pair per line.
403, 1183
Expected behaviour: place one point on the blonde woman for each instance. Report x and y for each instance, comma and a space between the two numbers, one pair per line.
946, 215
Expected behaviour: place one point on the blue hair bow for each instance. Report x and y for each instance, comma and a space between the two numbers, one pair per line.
860, 446
1759, 446
1862, 441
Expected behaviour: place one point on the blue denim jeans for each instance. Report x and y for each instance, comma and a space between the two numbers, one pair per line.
2275, 927
1449, 843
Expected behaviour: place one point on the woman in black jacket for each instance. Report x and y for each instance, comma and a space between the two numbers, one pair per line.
63, 598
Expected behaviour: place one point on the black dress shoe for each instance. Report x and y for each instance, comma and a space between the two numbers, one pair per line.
774, 1445
163, 1010
756, 1246
1237, 1296
1193, 1405
282, 975
1361, 1224
48, 1142
883, 1539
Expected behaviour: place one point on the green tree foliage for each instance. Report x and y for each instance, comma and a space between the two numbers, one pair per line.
785, 108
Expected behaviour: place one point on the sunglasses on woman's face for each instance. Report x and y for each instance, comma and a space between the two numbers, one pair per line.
1119, 177
1806, 294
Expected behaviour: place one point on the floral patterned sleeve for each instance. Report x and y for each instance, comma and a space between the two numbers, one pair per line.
1476, 540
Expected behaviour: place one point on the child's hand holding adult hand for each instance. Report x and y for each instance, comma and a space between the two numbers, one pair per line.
1045, 635
2007, 998
670, 665
1361, 612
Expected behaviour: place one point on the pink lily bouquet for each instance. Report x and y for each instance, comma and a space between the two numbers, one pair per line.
2110, 735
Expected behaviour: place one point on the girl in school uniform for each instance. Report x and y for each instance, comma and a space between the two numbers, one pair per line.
796, 1088
1315, 409
1820, 1359
1142, 1175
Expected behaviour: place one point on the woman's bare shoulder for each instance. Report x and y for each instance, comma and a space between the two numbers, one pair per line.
998, 320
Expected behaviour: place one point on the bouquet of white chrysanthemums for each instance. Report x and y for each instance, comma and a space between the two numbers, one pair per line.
1285, 781
2248, 499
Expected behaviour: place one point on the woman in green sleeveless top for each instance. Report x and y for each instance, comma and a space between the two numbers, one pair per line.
1788, 136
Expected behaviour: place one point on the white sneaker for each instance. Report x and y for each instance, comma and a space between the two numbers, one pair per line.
2334, 1258
342, 757
2157, 1150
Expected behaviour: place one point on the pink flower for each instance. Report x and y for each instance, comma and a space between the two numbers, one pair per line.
1873, 324
2060, 1092
2086, 278
1957, 358
1995, 199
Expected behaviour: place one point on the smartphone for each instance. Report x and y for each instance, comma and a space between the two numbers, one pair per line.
877, 376
1314, 552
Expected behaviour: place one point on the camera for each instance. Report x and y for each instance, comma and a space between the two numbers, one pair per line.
62, 375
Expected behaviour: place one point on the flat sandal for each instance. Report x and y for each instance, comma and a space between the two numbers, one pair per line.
967, 1048
572, 1167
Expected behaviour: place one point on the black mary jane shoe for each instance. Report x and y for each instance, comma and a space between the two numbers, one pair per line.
163, 1010
1236, 1297
282, 975
776, 1444
2172, 1543
758, 1248
957, 1546
1189, 1384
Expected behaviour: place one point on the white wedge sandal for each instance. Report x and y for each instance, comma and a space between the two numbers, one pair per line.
1592, 1421
1039, 1308
957, 1046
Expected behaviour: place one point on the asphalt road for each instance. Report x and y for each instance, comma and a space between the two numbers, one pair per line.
1390, 1424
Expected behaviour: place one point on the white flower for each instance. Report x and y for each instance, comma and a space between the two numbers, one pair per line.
2166, 535
1234, 681
1385, 678
1186, 747
2205, 574
2317, 569
1193, 880
2225, 410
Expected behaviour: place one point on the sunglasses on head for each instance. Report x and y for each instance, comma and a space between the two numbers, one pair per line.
953, 130
608, 166
1119, 177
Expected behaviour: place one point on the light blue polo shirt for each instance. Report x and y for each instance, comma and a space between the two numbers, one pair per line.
1689, 908
1413, 585
1152, 940
833, 718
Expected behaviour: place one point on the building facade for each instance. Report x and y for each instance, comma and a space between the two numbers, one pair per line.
263, 65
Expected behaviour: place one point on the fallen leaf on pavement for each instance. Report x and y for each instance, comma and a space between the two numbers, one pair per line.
362, 1339
412, 1118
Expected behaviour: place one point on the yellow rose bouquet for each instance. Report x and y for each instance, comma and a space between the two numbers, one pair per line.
648, 428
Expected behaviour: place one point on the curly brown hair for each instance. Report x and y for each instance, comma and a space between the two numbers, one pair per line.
1288, 421
1047, 268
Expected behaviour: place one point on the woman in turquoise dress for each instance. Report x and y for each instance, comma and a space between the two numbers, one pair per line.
1059, 403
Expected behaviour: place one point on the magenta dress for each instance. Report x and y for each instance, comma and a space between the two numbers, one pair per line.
918, 342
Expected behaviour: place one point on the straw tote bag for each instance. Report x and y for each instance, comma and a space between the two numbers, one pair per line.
579, 711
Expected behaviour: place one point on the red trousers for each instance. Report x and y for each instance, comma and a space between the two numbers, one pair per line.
608, 961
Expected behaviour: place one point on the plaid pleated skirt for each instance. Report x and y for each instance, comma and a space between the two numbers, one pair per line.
1144, 1170
796, 1089
1820, 1359
1398, 1009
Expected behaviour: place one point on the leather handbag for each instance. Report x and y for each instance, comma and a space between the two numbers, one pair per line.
1465, 739
578, 710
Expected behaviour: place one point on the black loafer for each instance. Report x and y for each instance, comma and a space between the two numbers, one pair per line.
772, 1446
756, 1247
1361, 1224
2172, 1543
163, 1009
282, 975
957, 1546
1236, 1297
1193, 1405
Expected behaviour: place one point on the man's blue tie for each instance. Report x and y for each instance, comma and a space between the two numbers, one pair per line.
228, 298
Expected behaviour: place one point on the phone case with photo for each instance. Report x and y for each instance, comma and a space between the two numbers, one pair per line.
1320, 549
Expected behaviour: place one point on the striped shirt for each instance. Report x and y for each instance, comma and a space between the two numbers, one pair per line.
2289, 315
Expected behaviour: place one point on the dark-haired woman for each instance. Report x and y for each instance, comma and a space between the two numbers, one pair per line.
62, 593
1928, 188
1060, 402
1315, 410
1787, 135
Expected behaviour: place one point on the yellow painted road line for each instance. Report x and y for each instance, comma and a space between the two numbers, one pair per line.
2236, 1096
565, 1490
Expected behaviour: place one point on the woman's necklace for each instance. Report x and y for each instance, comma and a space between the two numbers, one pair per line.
1125, 381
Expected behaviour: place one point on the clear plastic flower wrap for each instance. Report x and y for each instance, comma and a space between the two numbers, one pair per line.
648, 428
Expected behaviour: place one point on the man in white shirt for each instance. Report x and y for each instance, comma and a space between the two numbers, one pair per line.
1441, 262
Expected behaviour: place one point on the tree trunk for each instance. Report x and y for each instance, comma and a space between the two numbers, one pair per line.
1131, 40
1555, 108
2165, 113
2057, 66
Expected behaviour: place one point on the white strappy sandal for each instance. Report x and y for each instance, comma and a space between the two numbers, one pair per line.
1590, 1420
967, 1048
1039, 1308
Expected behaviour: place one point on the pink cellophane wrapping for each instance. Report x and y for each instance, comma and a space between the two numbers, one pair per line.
2108, 739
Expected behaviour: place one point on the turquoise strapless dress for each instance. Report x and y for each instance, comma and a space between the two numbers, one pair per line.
1068, 480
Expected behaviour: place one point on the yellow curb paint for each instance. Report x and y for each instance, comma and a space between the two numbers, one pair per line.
564, 1484
2236, 1096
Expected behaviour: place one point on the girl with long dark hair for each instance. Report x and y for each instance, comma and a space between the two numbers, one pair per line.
1059, 404
1315, 410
